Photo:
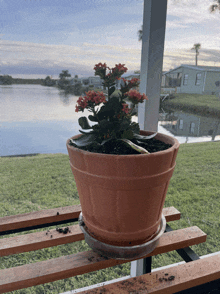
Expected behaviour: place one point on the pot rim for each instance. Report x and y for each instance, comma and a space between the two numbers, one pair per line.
175, 145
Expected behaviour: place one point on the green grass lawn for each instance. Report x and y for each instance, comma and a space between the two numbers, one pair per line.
204, 104
45, 181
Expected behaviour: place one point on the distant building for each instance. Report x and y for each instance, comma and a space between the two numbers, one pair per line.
192, 79
88, 81
137, 76
120, 82
95, 81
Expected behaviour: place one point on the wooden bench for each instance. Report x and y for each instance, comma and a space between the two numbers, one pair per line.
164, 281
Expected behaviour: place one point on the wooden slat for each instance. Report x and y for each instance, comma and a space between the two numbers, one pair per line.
171, 213
39, 217
84, 262
49, 216
39, 240
185, 276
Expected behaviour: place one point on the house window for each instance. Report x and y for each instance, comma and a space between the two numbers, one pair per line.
179, 78
181, 124
174, 80
192, 128
198, 79
185, 80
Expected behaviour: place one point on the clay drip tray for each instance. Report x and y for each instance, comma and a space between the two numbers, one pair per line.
120, 252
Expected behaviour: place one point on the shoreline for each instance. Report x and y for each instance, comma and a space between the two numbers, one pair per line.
202, 110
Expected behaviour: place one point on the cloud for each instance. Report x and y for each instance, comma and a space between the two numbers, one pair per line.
105, 31
80, 60
27, 58
190, 11
173, 25
174, 58
190, 22
39, 71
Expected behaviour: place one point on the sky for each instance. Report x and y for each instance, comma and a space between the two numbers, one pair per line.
43, 37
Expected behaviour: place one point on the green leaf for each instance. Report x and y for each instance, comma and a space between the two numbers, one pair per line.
84, 140
124, 125
111, 91
144, 138
133, 112
135, 147
111, 108
92, 118
107, 140
127, 134
135, 127
105, 114
92, 132
83, 122
106, 125
113, 104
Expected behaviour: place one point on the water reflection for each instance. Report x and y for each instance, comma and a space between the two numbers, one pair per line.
36, 103
190, 126
65, 98
38, 119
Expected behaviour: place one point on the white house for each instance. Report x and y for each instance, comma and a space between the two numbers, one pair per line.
95, 81
193, 79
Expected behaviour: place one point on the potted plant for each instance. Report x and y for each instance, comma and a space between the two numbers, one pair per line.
122, 173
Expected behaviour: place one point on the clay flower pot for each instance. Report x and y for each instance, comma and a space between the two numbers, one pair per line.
122, 196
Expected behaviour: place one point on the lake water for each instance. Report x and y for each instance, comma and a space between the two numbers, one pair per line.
35, 119
38, 119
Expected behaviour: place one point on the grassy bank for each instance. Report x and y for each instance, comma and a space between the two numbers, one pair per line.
195, 103
45, 181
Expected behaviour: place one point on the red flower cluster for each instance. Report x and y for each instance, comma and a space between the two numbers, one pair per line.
119, 69
134, 82
135, 97
109, 79
91, 100
100, 70
100, 65
125, 108
113, 74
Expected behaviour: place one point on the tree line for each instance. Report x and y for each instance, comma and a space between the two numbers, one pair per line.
72, 86
9, 80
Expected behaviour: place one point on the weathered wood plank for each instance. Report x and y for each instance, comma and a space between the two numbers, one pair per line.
49, 216
39, 240
171, 214
84, 262
35, 241
167, 281
39, 217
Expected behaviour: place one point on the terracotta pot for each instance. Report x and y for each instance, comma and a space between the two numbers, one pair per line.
122, 196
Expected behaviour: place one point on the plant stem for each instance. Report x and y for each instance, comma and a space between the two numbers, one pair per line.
108, 93
95, 114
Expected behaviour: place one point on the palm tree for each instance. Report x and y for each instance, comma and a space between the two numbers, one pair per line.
215, 6
64, 74
63, 83
140, 34
196, 47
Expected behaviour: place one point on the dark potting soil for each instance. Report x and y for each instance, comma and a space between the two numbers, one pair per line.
121, 148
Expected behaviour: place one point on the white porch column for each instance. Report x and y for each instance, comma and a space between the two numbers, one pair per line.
154, 23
